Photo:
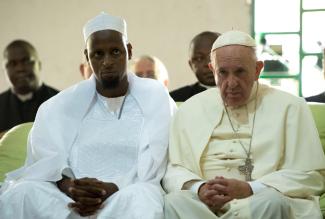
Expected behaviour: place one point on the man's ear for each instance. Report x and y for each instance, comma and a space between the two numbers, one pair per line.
259, 67
40, 65
129, 47
165, 82
86, 55
211, 67
81, 69
190, 64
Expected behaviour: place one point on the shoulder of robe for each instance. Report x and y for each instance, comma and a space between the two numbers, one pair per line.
278, 97
66, 96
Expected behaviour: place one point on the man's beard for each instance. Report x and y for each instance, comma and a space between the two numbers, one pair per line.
112, 83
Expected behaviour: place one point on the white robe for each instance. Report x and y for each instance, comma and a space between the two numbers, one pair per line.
103, 133
286, 149
56, 127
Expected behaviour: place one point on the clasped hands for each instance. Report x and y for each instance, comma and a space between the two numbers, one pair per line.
88, 194
218, 191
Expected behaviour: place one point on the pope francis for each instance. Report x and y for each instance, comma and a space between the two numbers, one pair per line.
97, 149
243, 149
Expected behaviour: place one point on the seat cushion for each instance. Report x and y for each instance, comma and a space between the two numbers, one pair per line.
13, 148
322, 204
318, 111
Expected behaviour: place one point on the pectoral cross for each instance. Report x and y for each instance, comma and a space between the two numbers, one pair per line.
247, 169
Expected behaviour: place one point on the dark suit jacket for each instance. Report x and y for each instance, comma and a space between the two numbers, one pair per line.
184, 93
320, 98
13, 111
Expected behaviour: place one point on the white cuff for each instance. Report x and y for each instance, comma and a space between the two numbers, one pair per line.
256, 186
68, 172
196, 186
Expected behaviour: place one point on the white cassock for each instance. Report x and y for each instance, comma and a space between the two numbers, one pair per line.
286, 151
76, 134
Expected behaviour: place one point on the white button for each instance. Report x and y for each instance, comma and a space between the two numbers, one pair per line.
228, 169
234, 141
236, 213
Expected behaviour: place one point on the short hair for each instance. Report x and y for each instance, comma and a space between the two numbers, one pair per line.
20, 43
203, 35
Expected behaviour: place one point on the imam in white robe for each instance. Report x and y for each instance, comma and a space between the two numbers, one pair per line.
58, 131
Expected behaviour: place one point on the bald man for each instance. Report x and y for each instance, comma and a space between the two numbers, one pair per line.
150, 67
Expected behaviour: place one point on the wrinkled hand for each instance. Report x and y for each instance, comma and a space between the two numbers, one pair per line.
212, 197
88, 194
236, 189
217, 192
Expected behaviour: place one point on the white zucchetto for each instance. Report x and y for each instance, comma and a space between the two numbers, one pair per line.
104, 21
233, 37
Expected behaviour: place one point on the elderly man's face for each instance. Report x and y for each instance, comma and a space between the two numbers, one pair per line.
145, 68
199, 60
22, 67
108, 55
235, 69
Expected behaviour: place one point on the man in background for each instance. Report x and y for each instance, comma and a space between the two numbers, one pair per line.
27, 92
199, 57
150, 67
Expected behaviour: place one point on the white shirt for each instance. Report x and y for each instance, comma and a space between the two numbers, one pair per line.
106, 147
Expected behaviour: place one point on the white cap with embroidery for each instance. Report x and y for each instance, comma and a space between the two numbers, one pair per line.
104, 21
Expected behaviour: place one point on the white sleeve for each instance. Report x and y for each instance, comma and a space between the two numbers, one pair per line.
68, 172
196, 186
256, 186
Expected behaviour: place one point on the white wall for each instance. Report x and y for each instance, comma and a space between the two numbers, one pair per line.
162, 28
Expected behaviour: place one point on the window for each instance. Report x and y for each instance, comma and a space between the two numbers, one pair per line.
291, 40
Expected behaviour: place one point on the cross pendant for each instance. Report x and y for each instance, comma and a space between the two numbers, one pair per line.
247, 169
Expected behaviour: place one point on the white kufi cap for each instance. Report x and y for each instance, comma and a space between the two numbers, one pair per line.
104, 21
233, 37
